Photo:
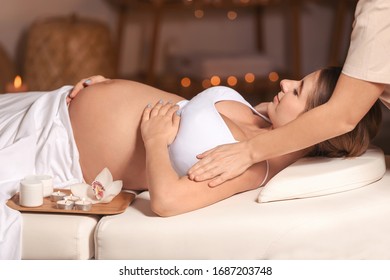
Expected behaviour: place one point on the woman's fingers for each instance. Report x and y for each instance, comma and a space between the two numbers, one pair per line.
163, 109
168, 109
146, 113
160, 123
156, 108
68, 99
171, 109
76, 89
173, 112
79, 86
85, 83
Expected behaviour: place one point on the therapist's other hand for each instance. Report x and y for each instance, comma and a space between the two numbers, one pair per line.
160, 123
83, 84
222, 163
262, 108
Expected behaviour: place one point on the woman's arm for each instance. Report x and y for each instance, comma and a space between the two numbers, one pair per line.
350, 101
169, 193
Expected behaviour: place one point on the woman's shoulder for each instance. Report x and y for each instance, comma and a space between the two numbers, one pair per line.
231, 103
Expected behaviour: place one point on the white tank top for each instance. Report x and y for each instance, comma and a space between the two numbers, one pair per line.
202, 127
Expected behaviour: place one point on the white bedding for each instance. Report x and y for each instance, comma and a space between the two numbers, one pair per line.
35, 138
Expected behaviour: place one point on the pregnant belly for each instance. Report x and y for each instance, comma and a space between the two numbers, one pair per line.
106, 123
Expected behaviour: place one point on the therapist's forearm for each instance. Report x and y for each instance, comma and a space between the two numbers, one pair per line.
311, 127
350, 101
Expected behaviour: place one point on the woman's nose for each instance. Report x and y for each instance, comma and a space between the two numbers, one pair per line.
287, 85
284, 85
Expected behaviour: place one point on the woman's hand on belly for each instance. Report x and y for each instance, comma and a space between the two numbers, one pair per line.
160, 123
83, 84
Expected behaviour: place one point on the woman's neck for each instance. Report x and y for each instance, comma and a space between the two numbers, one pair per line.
244, 130
255, 125
241, 120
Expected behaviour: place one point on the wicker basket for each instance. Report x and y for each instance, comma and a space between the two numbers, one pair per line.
62, 51
7, 69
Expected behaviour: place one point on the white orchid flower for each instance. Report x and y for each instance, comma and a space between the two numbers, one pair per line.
102, 190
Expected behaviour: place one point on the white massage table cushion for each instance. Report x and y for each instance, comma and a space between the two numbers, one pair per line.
351, 225
58, 236
317, 176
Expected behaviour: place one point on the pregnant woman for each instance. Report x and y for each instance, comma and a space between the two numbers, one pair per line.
133, 130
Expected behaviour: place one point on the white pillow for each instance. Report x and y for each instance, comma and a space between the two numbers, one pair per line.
309, 177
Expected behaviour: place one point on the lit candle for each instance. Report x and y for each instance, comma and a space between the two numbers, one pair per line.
16, 86
72, 197
56, 196
65, 204
83, 205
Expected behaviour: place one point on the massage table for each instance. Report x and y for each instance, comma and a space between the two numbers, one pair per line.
348, 224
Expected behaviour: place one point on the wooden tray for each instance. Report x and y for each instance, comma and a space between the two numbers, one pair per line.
116, 206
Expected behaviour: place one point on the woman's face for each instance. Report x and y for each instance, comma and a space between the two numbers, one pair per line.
290, 102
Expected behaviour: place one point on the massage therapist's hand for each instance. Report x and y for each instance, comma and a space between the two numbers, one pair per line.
262, 108
222, 163
160, 123
83, 84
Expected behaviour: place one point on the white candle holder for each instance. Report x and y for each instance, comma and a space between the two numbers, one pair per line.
31, 193
83, 205
65, 204
47, 182
56, 196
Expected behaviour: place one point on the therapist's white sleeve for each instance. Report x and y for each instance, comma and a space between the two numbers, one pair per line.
369, 52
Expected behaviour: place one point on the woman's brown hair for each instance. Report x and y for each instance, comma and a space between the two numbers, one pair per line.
353, 143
